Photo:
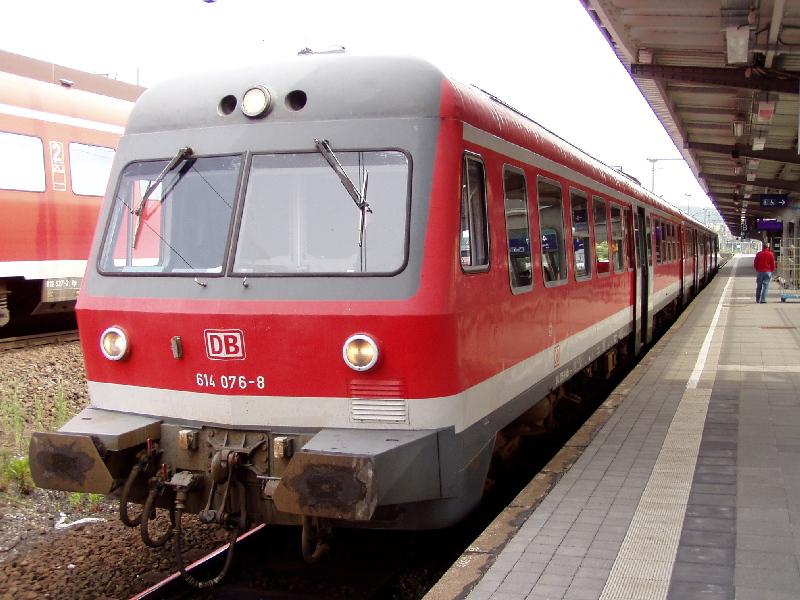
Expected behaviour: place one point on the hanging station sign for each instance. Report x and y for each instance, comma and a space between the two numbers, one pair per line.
774, 200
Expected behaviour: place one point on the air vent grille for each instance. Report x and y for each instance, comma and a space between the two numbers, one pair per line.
379, 411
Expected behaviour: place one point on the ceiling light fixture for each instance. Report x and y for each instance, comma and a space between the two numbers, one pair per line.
737, 40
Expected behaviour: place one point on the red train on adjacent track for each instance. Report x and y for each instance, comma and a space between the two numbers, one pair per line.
56, 149
321, 290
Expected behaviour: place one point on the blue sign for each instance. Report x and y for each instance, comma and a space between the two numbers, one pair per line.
774, 200
550, 242
519, 246
769, 225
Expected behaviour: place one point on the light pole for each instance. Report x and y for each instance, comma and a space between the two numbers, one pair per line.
653, 162
688, 201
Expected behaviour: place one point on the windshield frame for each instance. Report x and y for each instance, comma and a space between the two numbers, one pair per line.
234, 227
229, 270
244, 167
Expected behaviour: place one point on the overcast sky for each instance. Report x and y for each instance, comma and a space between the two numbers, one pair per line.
545, 57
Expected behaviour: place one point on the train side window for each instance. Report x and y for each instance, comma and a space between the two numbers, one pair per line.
667, 243
668, 237
89, 168
474, 224
682, 241
617, 249
676, 236
518, 233
627, 228
581, 239
551, 231
674, 242
601, 244
659, 233
22, 157
670, 254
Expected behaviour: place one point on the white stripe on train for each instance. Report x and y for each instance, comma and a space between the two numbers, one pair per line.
43, 269
459, 410
29, 113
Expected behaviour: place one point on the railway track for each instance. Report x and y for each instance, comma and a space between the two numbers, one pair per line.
173, 586
269, 567
38, 339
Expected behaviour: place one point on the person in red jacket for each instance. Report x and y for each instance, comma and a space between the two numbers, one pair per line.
764, 264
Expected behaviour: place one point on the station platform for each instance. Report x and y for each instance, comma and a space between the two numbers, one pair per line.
684, 485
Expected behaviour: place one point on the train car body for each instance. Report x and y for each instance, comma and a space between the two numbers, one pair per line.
56, 149
347, 342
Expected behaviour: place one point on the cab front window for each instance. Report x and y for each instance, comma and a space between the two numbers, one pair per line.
299, 219
171, 223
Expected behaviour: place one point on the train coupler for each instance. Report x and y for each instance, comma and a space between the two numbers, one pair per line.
183, 482
231, 513
159, 487
146, 466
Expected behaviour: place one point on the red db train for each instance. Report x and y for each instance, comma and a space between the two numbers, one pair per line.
321, 290
56, 149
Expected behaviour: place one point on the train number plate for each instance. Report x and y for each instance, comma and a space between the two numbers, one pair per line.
229, 382
61, 289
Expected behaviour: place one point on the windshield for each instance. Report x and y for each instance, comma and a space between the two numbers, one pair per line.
181, 226
298, 217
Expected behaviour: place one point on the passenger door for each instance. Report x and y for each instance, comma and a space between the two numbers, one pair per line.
642, 323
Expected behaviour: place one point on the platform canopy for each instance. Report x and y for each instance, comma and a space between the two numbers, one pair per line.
723, 77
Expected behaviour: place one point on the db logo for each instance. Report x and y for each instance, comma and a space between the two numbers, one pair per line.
224, 344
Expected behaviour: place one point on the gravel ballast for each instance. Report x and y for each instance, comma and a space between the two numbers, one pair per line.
47, 550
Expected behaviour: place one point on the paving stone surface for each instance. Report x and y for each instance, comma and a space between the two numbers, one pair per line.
733, 515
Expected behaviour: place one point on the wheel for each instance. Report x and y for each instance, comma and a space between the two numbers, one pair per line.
783, 299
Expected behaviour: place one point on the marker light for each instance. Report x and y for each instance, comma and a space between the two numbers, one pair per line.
114, 343
256, 102
360, 352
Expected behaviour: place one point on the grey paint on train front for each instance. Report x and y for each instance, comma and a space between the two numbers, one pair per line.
357, 103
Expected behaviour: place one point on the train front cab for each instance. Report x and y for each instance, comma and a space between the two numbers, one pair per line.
371, 447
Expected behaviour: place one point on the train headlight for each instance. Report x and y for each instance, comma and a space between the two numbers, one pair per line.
114, 343
360, 352
256, 102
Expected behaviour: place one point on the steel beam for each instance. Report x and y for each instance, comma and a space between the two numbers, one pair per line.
707, 110
708, 125
774, 31
778, 184
726, 197
777, 155
678, 87
736, 77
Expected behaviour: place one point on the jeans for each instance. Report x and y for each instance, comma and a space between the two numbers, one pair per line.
762, 286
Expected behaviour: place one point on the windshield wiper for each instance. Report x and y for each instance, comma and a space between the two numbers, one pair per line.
182, 155
358, 196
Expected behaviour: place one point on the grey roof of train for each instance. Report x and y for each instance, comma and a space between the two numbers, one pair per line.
337, 87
